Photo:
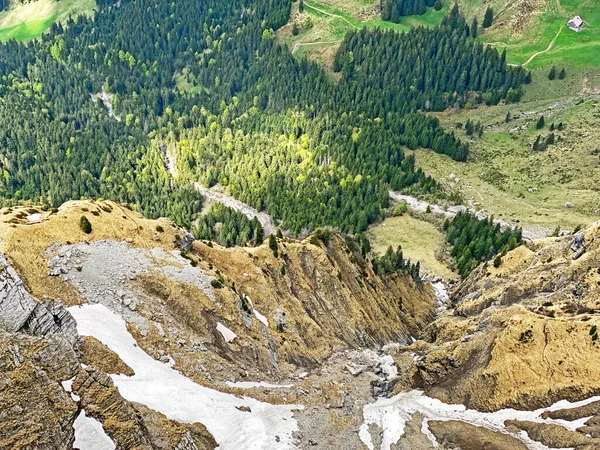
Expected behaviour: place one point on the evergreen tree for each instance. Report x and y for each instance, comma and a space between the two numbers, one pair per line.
552, 73
488, 19
562, 75
540, 123
469, 128
273, 245
474, 27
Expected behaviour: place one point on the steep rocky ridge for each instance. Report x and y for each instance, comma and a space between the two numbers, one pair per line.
286, 314
313, 332
522, 335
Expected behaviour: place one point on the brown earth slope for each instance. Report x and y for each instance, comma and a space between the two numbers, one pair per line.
523, 335
316, 300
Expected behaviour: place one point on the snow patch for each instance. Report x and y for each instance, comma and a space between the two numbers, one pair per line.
256, 384
227, 334
262, 318
34, 217
441, 292
90, 435
391, 415
68, 386
159, 387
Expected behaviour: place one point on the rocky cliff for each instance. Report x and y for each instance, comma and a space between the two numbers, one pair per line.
221, 317
522, 335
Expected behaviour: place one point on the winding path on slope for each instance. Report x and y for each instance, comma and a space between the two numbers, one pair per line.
304, 44
337, 16
535, 55
218, 195
530, 232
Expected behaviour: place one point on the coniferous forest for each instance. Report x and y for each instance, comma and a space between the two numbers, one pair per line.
276, 131
394, 9
474, 241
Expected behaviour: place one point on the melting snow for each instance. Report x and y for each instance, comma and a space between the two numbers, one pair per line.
90, 435
165, 390
391, 415
34, 217
256, 384
441, 293
68, 386
227, 334
262, 318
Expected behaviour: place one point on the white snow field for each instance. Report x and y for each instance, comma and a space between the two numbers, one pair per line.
90, 435
167, 391
391, 415
256, 385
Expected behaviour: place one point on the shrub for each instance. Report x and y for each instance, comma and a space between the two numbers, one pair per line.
245, 304
324, 235
85, 225
217, 284
497, 261
526, 336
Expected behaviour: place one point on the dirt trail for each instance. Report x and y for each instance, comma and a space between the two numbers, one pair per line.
337, 16
304, 44
535, 55
530, 232
216, 194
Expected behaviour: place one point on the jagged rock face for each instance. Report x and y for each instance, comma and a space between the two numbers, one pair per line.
522, 335
287, 313
320, 299
35, 411
36, 353
20, 312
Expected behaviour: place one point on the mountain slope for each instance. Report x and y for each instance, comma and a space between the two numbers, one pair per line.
216, 315
522, 335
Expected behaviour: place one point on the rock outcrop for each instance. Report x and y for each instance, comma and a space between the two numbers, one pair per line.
20, 312
523, 335
36, 354
35, 410
289, 314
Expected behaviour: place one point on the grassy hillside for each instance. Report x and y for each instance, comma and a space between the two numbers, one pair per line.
507, 178
332, 19
534, 32
420, 241
28, 21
